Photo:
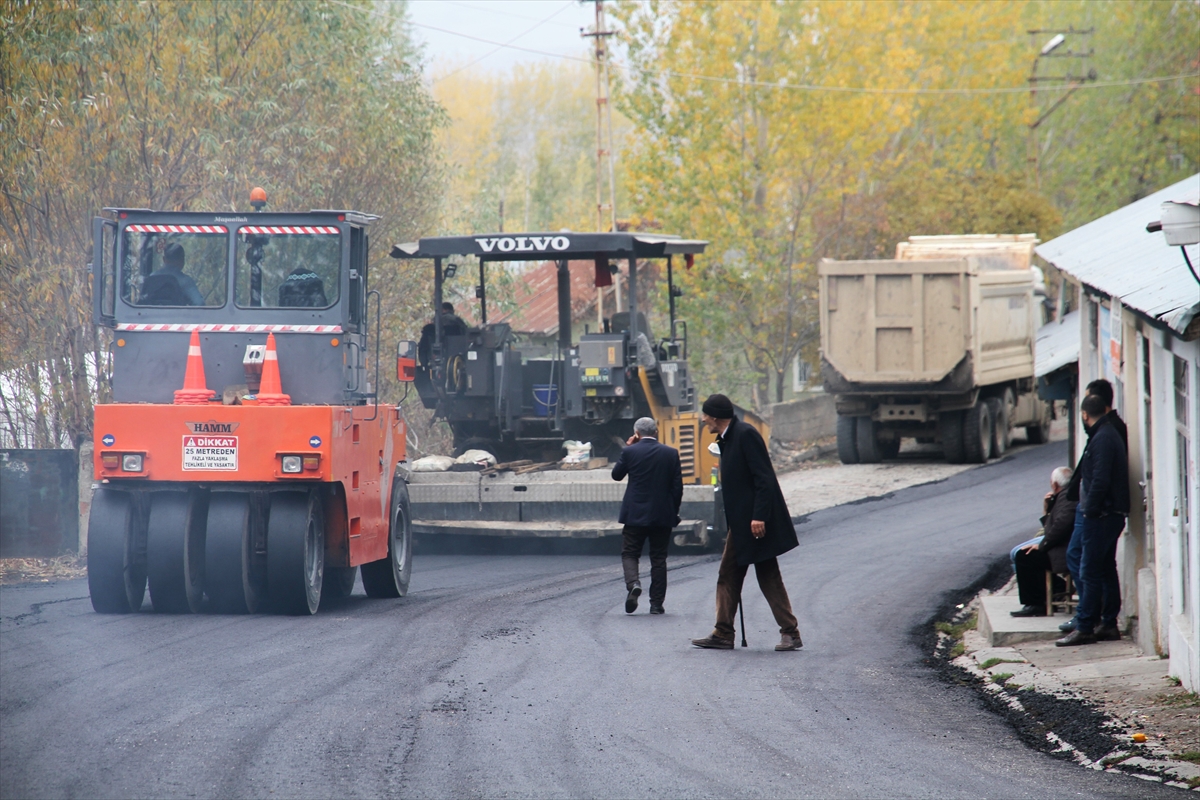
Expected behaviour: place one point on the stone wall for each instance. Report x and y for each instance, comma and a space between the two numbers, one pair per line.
804, 420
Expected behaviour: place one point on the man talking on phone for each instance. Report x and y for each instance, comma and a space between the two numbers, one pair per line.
650, 509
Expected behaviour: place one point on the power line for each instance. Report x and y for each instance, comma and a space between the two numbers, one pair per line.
797, 87
498, 48
486, 8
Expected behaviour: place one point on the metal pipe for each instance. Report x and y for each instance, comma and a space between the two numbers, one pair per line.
564, 306
435, 357
633, 307
671, 293
482, 293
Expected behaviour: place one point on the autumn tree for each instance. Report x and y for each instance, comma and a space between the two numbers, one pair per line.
754, 121
1106, 147
186, 106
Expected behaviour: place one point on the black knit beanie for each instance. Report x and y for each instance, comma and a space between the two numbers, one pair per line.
718, 406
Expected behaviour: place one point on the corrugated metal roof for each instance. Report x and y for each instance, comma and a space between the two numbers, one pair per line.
1057, 344
1116, 255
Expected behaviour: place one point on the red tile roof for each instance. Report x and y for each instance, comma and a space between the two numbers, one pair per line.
536, 295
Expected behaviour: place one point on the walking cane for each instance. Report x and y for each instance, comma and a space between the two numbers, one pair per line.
742, 612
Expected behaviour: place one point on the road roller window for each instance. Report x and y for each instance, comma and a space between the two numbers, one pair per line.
288, 266
175, 265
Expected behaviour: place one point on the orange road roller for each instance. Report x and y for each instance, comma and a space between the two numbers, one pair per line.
244, 463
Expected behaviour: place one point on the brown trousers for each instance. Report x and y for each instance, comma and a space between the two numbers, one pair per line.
729, 590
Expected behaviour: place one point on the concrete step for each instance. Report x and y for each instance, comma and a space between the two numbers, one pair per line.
1001, 629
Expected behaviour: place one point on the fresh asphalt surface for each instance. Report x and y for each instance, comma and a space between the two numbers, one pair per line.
521, 676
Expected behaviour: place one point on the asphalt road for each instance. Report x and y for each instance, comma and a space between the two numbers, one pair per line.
521, 676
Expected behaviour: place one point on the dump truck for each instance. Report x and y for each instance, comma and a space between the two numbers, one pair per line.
244, 463
936, 345
520, 400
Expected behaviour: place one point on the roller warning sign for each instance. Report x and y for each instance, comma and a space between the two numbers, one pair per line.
210, 452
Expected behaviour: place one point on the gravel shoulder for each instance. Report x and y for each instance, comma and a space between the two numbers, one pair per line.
826, 482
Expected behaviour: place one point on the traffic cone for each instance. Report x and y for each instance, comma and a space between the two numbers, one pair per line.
270, 391
195, 391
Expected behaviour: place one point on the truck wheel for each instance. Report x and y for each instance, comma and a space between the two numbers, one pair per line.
950, 426
1039, 432
977, 433
890, 448
388, 577
116, 553
175, 550
1000, 408
233, 581
296, 552
339, 582
867, 440
846, 446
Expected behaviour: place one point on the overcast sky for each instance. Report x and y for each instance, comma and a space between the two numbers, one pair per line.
548, 25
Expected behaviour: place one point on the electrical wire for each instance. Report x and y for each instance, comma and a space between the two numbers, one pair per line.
498, 48
487, 9
1191, 269
800, 87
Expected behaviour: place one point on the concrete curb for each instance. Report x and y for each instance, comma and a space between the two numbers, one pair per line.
1009, 673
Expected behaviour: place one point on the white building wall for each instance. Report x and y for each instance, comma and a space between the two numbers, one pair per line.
1180, 526
1158, 556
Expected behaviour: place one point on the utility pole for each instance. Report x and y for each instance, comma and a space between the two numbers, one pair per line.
1071, 80
604, 150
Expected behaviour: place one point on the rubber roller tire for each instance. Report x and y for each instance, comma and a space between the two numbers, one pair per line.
389, 577
296, 552
116, 554
233, 580
175, 550
338, 583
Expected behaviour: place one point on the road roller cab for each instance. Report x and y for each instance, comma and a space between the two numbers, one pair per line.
244, 462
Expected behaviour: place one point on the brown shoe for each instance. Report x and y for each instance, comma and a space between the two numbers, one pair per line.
789, 643
1108, 634
713, 643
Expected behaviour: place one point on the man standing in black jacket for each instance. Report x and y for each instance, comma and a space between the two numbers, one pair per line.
1104, 503
1104, 390
649, 510
760, 526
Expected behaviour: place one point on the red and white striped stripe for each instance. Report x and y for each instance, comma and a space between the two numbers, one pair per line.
208, 328
310, 229
177, 228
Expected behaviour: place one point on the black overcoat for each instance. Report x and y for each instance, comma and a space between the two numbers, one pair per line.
1057, 526
751, 492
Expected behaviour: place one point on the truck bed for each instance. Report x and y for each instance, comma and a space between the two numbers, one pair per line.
891, 325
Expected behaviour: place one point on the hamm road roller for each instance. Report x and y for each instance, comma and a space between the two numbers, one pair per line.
244, 463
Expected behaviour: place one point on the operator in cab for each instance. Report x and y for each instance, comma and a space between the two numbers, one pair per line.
452, 325
171, 286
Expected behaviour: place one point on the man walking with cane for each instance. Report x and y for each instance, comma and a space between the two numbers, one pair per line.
650, 509
760, 526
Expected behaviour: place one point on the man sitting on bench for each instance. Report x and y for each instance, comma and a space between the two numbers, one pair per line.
1050, 552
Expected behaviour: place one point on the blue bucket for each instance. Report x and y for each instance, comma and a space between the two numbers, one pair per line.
545, 398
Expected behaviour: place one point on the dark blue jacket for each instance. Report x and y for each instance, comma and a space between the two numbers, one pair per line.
655, 488
1104, 471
